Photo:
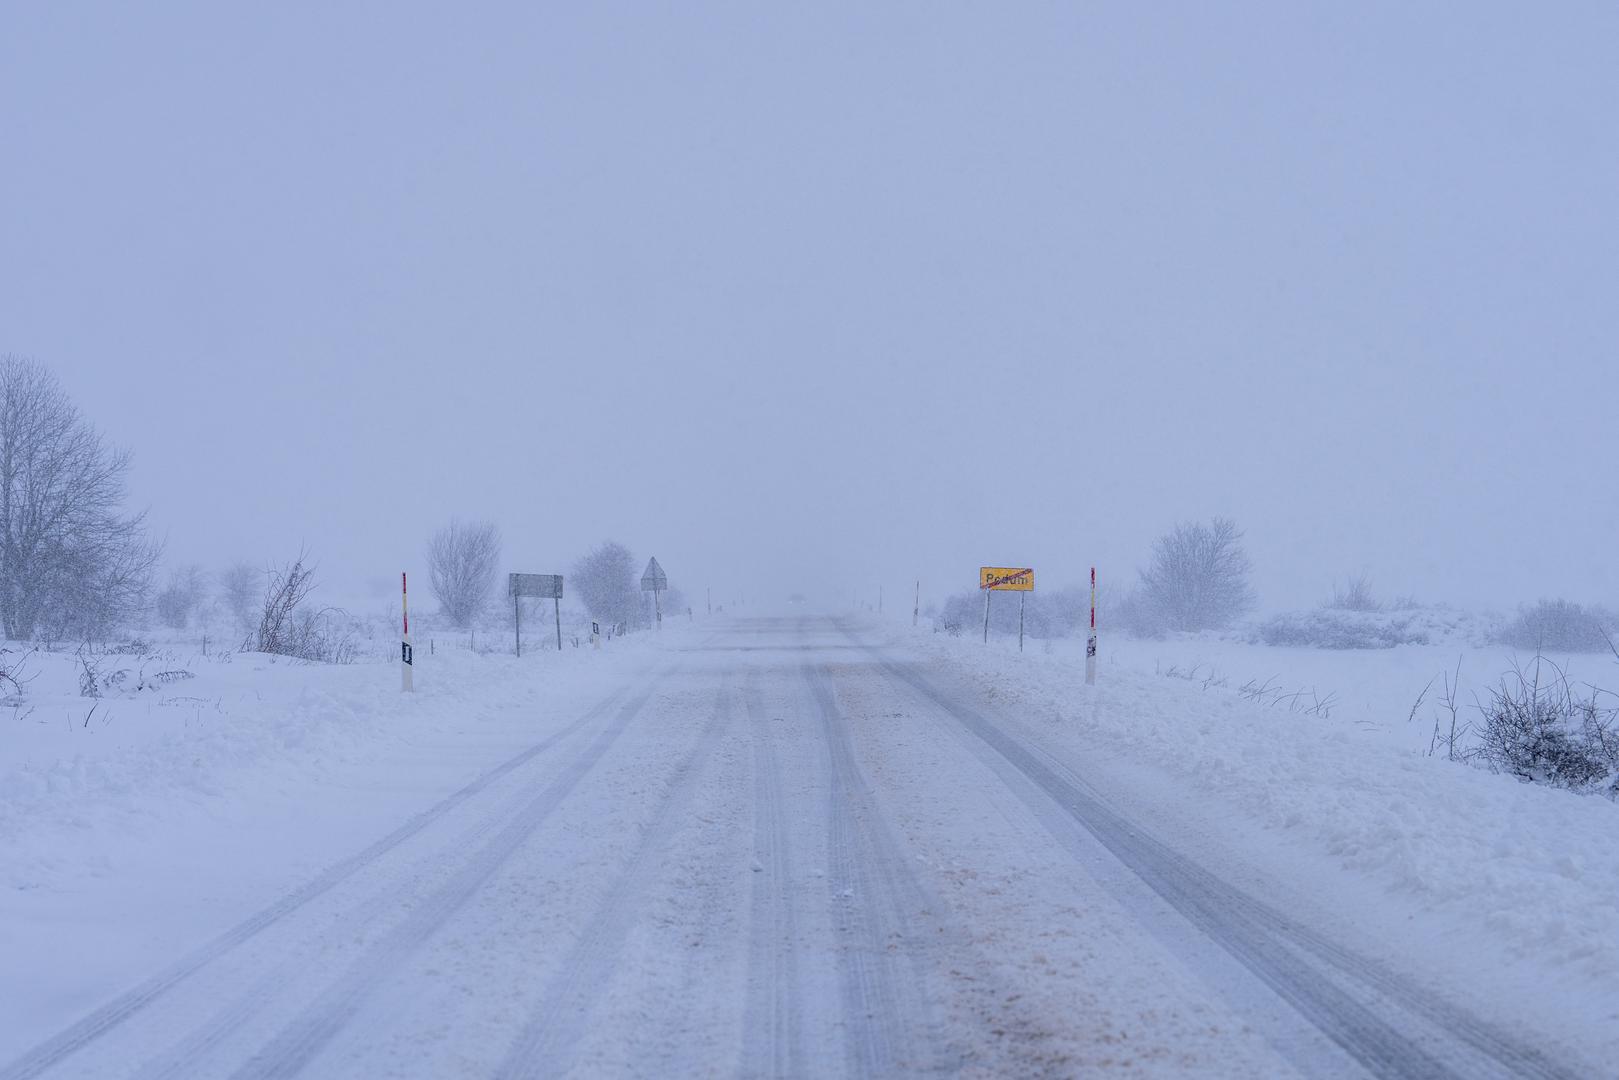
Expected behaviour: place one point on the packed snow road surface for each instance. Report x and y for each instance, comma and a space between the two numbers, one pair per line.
784, 849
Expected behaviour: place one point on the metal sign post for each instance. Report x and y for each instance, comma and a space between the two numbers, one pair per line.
407, 660
544, 586
1090, 643
655, 581
1005, 579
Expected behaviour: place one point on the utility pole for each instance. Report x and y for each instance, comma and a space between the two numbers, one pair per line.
916, 610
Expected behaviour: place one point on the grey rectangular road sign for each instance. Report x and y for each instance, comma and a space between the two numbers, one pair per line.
546, 586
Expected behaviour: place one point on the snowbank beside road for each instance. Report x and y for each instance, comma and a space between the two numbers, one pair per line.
1532, 869
79, 776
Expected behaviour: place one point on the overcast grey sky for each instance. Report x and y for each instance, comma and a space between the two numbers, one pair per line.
816, 296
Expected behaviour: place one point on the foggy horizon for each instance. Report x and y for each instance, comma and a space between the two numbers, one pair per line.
821, 301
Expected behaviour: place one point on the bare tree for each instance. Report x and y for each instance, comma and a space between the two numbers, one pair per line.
605, 581
1198, 577
70, 562
239, 587
462, 559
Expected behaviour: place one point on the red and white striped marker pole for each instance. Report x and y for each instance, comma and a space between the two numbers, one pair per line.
1090, 644
407, 661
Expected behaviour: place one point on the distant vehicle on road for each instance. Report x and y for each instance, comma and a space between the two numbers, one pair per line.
796, 598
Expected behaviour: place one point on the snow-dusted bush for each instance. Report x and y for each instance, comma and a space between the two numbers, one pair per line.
1067, 611
286, 591
288, 628
966, 611
1130, 612
1053, 613
1561, 626
326, 635
1197, 578
1537, 726
1056, 613
1330, 628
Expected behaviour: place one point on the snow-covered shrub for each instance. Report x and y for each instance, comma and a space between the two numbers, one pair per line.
287, 589
1064, 612
15, 673
967, 610
1130, 612
287, 628
1561, 626
1330, 628
327, 636
1053, 614
89, 672
1536, 726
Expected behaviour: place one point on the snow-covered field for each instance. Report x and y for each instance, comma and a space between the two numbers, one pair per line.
680, 875
137, 823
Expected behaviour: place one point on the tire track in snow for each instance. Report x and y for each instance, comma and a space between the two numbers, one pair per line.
548, 1042
108, 1017
302, 1039
889, 1023
773, 1043
1391, 1029
181, 1059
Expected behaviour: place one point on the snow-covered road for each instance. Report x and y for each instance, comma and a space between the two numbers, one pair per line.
788, 849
